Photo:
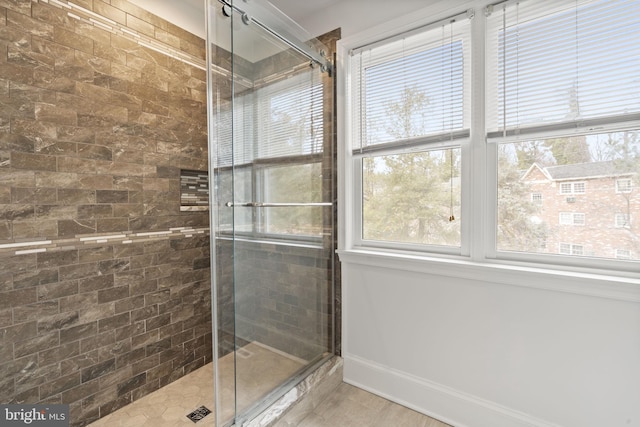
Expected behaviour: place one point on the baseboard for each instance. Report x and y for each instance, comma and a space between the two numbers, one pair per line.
443, 403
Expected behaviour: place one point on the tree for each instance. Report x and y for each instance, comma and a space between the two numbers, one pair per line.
407, 197
569, 150
518, 227
530, 152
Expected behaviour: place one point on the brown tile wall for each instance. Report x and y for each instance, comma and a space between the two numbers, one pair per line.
94, 129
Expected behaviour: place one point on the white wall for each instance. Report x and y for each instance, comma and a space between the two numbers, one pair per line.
186, 14
483, 345
476, 353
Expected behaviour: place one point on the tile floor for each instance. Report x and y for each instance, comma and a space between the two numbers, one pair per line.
347, 407
350, 406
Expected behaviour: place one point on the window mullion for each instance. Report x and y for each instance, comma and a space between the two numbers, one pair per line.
475, 196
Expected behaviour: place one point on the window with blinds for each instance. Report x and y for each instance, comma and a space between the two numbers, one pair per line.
563, 108
279, 119
412, 88
411, 112
554, 135
557, 64
272, 135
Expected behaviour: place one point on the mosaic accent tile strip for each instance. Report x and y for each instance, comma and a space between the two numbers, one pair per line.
194, 190
22, 248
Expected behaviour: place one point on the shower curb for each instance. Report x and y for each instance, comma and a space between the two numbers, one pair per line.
300, 401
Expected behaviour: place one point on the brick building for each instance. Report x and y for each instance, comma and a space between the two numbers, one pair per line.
590, 209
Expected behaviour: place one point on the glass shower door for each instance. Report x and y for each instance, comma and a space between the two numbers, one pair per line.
271, 167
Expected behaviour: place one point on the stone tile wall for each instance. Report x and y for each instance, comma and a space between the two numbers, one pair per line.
282, 295
104, 283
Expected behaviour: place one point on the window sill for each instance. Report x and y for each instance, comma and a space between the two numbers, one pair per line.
568, 281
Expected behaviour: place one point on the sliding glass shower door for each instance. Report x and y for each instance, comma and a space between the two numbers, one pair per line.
271, 163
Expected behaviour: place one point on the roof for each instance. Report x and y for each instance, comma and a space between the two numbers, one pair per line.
587, 170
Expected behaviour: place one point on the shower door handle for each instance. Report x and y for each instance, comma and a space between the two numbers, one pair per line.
275, 205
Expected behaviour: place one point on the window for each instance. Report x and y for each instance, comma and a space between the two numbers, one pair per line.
278, 149
571, 249
409, 198
572, 188
297, 183
623, 185
572, 218
623, 254
544, 77
557, 124
623, 220
411, 115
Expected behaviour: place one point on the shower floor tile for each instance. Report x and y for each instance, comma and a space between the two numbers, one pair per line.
259, 371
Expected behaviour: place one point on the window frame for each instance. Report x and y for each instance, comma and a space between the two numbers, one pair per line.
479, 176
572, 249
625, 190
537, 198
571, 218
456, 139
625, 221
572, 190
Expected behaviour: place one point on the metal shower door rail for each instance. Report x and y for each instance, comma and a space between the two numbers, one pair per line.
275, 205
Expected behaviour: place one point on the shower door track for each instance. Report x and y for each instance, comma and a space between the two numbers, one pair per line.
318, 58
275, 205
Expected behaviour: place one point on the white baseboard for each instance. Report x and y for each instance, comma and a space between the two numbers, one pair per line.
443, 403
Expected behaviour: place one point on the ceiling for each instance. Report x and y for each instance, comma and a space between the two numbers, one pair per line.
315, 16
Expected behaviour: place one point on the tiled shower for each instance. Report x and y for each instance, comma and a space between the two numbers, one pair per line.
105, 283
105, 278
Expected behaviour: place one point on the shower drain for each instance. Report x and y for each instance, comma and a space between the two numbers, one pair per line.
199, 414
244, 353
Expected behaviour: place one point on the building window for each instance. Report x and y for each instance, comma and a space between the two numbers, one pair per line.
572, 188
571, 249
623, 254
623, 220
572, 218
623, 185
536, 198
411, 114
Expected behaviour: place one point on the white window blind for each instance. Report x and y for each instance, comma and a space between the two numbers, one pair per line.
284, 118
413, 86
289, 116
558, 64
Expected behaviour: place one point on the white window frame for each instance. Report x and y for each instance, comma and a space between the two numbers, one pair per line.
572, 185
440, 141
478, 256
573, 249
536, 198
572, 218
623, 254
622, 220
626, 188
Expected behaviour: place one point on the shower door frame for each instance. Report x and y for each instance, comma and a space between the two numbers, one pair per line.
281, 32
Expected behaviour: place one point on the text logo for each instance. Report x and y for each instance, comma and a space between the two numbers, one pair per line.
34, 415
